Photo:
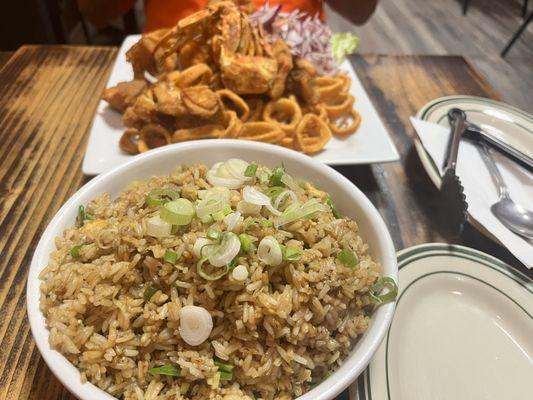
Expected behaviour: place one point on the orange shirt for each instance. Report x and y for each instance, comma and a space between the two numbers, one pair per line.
165, 13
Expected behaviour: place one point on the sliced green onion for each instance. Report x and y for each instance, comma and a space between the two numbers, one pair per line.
158, 228
205, 275
274, 191
232, 263
214, 234
334, 209
290, 253
265, 223
170, 257
384, 282
296, 211
75, 251
348, 258
177, 212
83, 216
149, 291
170, 370
211, 205
218, 216
226, 371
247, 241
277, 174
250, 170
291, 183
158, 197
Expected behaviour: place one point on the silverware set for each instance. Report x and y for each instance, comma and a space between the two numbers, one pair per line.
513, 216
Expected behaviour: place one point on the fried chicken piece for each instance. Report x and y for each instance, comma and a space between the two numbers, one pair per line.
168, 99
142, 111
194, 52
124, 94
249, 75
283, 56
299, 82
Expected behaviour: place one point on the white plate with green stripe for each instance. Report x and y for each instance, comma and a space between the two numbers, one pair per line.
463, 329
502, 121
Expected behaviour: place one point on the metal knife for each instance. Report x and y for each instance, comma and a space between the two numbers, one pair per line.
451, 187
474, 132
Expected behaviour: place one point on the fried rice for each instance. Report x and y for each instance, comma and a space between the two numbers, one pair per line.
283, 329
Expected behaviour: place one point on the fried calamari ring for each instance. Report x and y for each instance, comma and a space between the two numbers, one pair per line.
328, 87
261, 131
233, 125
312, 134
233, 102
152, 136
198, 74
347, 81
257, 105
208, 131
342, 127
287, 141
128, 141
341, 106
284, 112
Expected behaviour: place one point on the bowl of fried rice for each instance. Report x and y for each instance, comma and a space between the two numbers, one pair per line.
213, 270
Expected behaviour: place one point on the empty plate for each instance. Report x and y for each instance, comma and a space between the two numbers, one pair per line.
462, 330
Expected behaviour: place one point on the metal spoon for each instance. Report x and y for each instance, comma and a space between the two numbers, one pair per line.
515, 217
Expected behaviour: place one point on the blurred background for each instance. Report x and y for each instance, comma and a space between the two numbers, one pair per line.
480, 30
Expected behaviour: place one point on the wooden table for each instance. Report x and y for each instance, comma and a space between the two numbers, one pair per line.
49, 96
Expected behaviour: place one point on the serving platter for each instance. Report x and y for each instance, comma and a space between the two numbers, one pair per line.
462, 330
370, 144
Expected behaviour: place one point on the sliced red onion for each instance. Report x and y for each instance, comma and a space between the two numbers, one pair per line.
307, 36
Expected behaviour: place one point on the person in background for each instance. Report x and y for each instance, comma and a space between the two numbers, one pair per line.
165, 13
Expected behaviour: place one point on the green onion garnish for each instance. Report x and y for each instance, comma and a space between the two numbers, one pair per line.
149, 291
348, 258
246, 241
210, 277
218, 216
298, 211
177, 212
226, 371
277, 174
158, 197
266, 223
214, 235
334, 209
170, 370
75, 251
274, 191
170, 257
83, 216
290, 253
250, 170
384, 282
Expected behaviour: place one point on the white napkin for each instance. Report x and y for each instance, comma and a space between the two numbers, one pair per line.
479, 187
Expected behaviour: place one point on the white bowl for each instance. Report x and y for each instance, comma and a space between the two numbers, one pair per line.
350, 200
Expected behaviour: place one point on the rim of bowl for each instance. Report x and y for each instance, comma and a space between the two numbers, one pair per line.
352, 366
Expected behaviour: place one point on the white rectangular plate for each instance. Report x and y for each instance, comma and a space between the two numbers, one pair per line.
370, 144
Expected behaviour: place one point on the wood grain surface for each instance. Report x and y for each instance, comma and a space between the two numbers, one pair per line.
49, 98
